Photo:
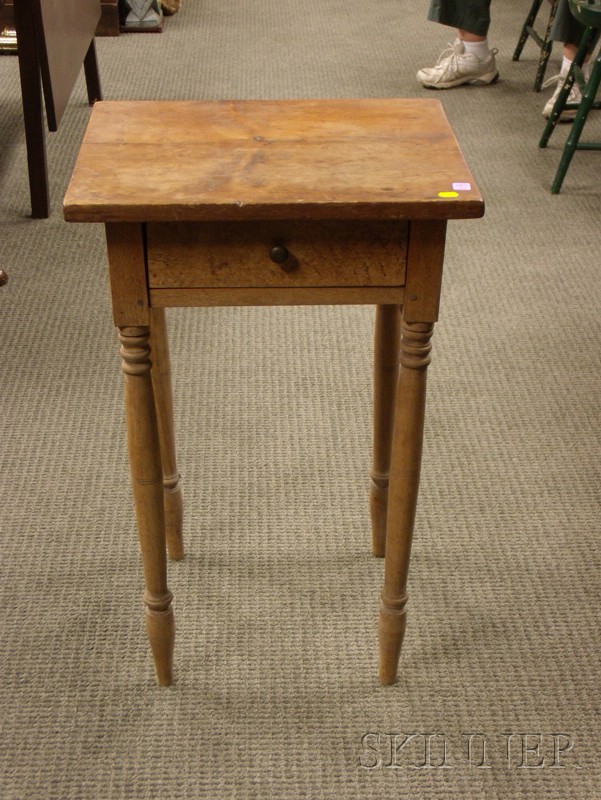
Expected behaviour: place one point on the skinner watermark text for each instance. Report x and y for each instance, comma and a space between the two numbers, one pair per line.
469, 749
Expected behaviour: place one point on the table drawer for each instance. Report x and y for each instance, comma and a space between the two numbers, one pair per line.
277, 254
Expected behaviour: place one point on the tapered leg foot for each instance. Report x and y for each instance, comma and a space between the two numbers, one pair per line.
161, 635
393, 621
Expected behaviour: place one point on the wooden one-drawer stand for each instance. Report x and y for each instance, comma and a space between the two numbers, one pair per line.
274, 203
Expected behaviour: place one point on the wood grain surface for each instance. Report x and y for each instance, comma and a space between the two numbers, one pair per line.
279, 159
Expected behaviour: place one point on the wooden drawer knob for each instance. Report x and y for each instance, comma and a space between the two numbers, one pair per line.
279, 254
282, 256
3, 277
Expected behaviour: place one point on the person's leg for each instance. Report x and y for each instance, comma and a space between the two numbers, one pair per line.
567, 30
469, 59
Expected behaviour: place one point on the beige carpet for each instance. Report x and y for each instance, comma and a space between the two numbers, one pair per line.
276, 602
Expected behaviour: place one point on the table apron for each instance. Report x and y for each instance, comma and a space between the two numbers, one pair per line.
244, 296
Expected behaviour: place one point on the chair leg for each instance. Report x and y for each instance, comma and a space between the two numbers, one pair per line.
545, 43
534, 9
546, 49
562, 98
571, 145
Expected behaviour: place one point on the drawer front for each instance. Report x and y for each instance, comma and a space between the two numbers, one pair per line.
277, 254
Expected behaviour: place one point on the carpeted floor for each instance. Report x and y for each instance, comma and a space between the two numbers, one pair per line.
277, 599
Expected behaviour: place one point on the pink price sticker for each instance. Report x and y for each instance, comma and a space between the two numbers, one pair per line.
462, 187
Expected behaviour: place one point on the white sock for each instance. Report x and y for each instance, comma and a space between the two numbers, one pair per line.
480, 49
566, 63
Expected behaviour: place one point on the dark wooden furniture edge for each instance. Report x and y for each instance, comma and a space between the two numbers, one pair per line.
108, 25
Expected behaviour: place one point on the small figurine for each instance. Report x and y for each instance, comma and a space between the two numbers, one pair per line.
141, 14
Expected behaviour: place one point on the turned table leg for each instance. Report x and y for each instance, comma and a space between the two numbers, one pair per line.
147, 482
404, 484
163, 398
386, 372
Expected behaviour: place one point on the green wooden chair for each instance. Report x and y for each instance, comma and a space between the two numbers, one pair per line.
543, 41
588, 13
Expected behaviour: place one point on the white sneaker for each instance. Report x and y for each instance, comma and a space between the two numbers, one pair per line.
575, 96
456, 67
